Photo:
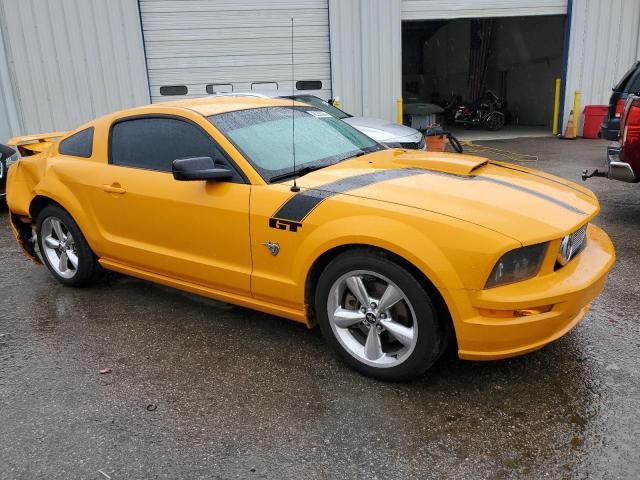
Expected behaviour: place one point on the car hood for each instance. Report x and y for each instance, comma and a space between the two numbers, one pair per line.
527, 205
383, 131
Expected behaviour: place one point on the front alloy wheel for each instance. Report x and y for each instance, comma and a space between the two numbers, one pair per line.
372, 318
377, 316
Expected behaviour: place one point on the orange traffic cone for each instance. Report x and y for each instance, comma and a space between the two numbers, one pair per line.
569, 131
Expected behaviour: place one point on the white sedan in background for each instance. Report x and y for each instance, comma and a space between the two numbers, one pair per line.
390, 134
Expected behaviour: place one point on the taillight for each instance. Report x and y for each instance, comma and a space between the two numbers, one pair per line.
631, 124
619, 107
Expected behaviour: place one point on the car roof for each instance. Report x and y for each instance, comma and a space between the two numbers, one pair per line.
216, 104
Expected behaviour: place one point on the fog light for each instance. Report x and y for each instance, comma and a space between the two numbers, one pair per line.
532, 311
524, 312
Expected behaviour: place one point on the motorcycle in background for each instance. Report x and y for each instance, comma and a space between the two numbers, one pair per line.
487, 114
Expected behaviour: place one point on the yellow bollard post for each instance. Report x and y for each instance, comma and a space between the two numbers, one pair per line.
576, 111
556, 108
399, 117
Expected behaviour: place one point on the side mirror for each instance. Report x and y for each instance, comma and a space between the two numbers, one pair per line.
199, 168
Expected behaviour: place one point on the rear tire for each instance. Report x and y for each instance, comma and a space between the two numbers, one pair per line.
377, 317
64, 249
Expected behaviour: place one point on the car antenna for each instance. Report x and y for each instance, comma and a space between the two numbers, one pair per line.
295, 187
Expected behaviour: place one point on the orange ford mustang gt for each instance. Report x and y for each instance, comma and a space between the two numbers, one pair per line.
395, 254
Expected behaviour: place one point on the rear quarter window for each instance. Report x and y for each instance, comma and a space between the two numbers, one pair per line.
79, 144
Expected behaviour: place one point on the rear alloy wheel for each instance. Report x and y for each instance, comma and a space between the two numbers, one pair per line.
59, 247
64, 249
377, 316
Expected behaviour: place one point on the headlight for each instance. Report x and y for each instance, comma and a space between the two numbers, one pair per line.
517, 265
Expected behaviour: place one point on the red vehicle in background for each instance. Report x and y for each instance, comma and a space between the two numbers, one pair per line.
623, 157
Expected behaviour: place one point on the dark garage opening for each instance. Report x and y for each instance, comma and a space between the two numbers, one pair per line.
447, 62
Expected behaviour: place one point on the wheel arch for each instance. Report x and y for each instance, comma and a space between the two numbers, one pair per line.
318, 266
38, 203
43, 199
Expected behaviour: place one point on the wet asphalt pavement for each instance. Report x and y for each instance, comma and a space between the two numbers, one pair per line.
201, 389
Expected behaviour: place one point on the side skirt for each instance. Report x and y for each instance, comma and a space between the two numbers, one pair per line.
241, 300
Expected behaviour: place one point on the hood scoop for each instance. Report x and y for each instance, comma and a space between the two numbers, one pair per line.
454, 164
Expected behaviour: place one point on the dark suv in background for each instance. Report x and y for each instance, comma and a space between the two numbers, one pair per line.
6, 156
630, 84
623, 156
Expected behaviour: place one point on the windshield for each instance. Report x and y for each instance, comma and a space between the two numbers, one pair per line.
264, 136
322, 105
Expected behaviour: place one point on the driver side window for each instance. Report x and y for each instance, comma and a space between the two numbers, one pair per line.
153, 143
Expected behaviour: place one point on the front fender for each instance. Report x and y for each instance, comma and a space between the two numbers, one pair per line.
402, 239
451, 253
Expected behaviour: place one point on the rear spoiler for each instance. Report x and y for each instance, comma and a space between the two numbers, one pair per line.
33, 144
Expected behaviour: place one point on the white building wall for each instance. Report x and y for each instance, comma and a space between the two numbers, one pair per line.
604, 44
366, 60
73, 60
9, 125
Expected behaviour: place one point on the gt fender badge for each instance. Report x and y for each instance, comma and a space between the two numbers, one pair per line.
284, 224
273, 247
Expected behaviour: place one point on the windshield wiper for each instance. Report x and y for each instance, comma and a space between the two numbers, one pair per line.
312, 168
298, 173
360, 153
355, 155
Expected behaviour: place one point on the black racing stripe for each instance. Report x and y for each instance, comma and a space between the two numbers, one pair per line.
535, 193
480, 178
301, 204
515, 169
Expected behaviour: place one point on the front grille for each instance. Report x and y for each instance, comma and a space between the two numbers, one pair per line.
571, 246
413, 145
579, 238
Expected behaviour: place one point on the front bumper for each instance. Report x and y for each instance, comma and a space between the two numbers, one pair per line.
409, 143
569, 290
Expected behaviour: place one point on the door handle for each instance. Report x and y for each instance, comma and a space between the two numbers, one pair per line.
113, 188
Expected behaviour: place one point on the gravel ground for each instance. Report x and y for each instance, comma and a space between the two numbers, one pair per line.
201, 389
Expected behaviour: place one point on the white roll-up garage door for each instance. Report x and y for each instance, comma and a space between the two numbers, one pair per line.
234, 45
438, 9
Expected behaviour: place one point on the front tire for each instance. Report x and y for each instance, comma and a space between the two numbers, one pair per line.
64, 249
377, 316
